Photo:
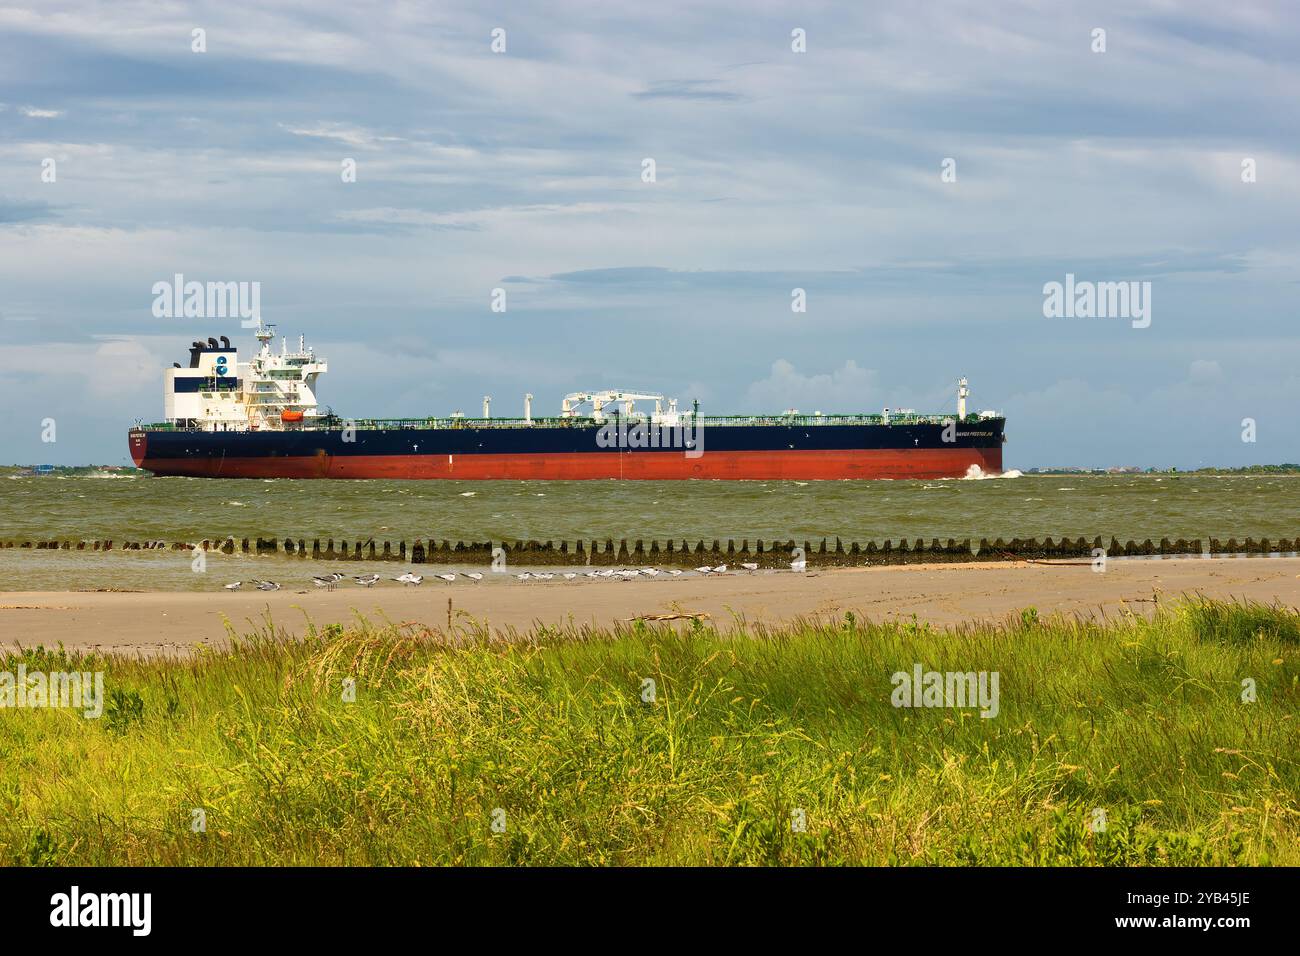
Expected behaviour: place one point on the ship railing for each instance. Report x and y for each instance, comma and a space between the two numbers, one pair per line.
685, 421
910, 418
393, 424
385, 424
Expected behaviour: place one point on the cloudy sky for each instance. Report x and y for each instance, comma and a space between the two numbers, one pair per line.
774, 170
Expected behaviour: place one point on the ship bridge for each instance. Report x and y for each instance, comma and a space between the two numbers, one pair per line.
217, 392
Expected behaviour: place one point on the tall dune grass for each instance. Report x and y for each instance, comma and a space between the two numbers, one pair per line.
1123, 742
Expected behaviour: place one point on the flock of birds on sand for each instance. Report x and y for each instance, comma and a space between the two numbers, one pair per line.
409, 579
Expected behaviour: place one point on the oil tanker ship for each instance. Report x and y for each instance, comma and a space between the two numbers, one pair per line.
260, 419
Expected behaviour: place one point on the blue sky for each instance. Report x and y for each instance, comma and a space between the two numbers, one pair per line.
775, 170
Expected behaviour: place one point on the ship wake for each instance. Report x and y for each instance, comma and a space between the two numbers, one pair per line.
976, 473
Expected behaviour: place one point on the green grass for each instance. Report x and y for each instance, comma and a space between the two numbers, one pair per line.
1142, 720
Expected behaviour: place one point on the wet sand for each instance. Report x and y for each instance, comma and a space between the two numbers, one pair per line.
171, 623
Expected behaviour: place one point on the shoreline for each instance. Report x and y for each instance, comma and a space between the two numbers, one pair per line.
154, 623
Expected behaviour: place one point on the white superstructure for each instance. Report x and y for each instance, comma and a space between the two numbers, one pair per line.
216, 392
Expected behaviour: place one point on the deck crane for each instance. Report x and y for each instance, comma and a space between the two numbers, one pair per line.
598, 400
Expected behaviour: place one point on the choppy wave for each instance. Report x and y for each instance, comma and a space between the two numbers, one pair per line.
191, 509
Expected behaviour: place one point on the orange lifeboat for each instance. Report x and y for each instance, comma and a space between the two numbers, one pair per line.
288, 416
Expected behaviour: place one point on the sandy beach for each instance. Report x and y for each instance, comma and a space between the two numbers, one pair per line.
172, 623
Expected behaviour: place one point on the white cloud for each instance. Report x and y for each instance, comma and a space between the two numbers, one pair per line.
848, 389
1205, 372
504, 216
342, 133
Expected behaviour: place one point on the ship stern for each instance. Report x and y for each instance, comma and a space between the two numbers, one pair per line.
138, 442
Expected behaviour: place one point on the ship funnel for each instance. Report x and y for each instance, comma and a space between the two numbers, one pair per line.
528, 407
196, 344
225, 342
487, 406
212, 343
962, 392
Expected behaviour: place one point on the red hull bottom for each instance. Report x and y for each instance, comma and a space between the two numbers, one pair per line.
738, 465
